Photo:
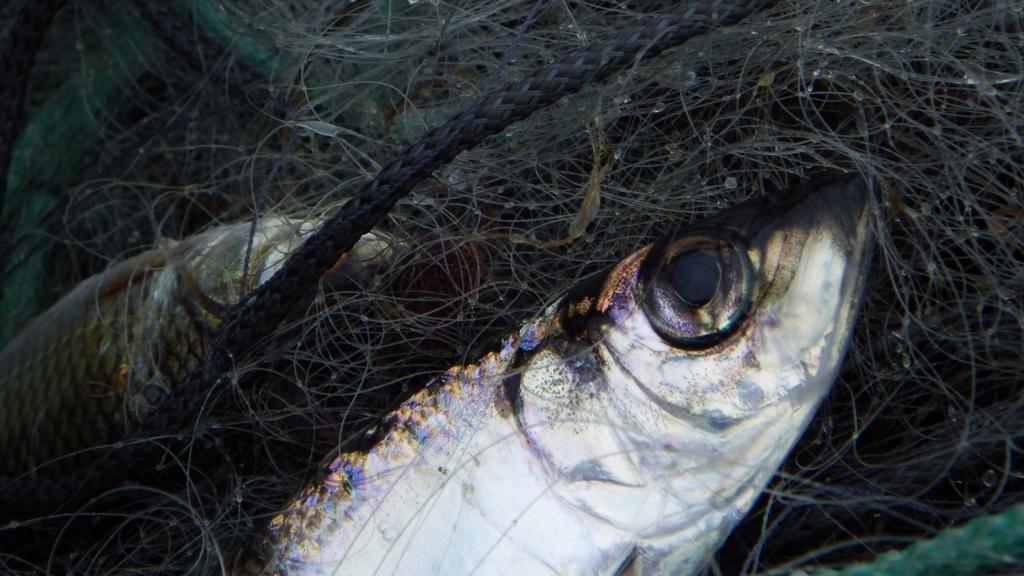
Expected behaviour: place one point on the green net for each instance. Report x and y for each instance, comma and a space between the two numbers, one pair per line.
979, 546
72, 120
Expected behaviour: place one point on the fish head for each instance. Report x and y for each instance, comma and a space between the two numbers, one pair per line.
742, 311
714, 348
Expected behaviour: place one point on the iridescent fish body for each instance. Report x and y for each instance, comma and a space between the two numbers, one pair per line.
625, 430
94, 365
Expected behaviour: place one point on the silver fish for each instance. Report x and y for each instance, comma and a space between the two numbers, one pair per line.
626, 430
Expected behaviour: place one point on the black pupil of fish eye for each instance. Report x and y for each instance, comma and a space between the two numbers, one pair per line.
695, 277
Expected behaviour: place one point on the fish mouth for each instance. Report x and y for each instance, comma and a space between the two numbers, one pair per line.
838, 203
815, 245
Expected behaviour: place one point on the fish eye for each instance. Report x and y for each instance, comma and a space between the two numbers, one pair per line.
695, 290
695, 276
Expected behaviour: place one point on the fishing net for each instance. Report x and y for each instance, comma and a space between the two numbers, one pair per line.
145, 124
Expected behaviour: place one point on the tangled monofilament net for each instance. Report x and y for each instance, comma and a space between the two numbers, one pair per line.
926, 97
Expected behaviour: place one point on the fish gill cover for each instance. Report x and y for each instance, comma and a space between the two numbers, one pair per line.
144, 124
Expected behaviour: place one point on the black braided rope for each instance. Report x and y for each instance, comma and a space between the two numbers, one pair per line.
271, 302
260, 315
17, 56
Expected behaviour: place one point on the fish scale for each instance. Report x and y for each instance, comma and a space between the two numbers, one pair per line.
88, 370
59, 378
